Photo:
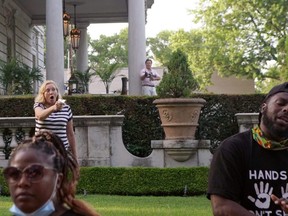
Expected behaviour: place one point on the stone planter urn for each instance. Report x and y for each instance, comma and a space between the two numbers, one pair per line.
179, 116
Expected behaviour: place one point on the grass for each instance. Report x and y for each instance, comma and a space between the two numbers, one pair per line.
138, 205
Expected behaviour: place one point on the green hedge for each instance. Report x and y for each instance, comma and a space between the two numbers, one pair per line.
3, 186
139, 181
142, 123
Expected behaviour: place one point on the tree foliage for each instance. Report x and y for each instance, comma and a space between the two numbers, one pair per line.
192, 44
160, 46
108, 54
110, 49
243, 38
246, 38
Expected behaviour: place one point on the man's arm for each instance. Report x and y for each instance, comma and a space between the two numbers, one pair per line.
155, 76
225, 207
143, 74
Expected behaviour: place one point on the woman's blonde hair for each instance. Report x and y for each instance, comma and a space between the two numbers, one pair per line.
40, 96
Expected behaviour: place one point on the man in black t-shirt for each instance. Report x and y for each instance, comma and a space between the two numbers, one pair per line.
249, 171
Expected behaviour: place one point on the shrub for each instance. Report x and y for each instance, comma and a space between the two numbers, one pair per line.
179, 80
138, 181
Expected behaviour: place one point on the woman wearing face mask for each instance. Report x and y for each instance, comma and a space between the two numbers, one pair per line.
42, 178
51, 113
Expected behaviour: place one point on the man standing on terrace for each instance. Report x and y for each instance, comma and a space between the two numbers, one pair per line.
147, 76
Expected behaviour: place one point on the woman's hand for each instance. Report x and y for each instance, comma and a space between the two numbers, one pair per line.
58, 105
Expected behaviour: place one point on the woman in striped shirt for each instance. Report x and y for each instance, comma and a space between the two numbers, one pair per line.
54, 115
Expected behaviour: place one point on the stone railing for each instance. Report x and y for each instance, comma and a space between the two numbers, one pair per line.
99, 143
93, 135
247, 120
12, 126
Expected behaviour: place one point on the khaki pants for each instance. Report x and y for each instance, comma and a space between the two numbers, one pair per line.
149, 90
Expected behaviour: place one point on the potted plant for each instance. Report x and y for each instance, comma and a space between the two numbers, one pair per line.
179, 112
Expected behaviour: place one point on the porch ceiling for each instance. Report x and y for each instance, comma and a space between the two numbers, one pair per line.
87, 11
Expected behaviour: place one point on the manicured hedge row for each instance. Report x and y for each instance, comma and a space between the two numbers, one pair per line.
3, 185
139, 181
142, 123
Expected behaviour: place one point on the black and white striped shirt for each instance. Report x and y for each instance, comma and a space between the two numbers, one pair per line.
56, 122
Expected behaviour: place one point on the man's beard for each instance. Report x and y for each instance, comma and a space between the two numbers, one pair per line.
274, 130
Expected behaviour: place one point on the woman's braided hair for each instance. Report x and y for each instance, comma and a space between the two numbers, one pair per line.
63, 161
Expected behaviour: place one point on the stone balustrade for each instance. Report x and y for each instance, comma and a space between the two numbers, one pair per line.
14, 125
93, 135
99, 143
247, 120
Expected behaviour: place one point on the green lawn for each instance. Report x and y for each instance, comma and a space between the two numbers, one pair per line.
138, 206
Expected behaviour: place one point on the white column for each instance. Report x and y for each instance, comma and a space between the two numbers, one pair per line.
136, 44
55, 43
82, 52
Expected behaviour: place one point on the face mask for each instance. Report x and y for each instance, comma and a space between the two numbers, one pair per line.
44, 210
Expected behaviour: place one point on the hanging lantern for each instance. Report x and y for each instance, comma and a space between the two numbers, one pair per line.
66, 21
75, 38
75, 33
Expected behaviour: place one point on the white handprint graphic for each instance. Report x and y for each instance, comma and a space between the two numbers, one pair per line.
284, 192
262, 200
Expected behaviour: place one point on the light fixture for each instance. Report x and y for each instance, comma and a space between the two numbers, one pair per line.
66, 21
72, 84
75, 33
